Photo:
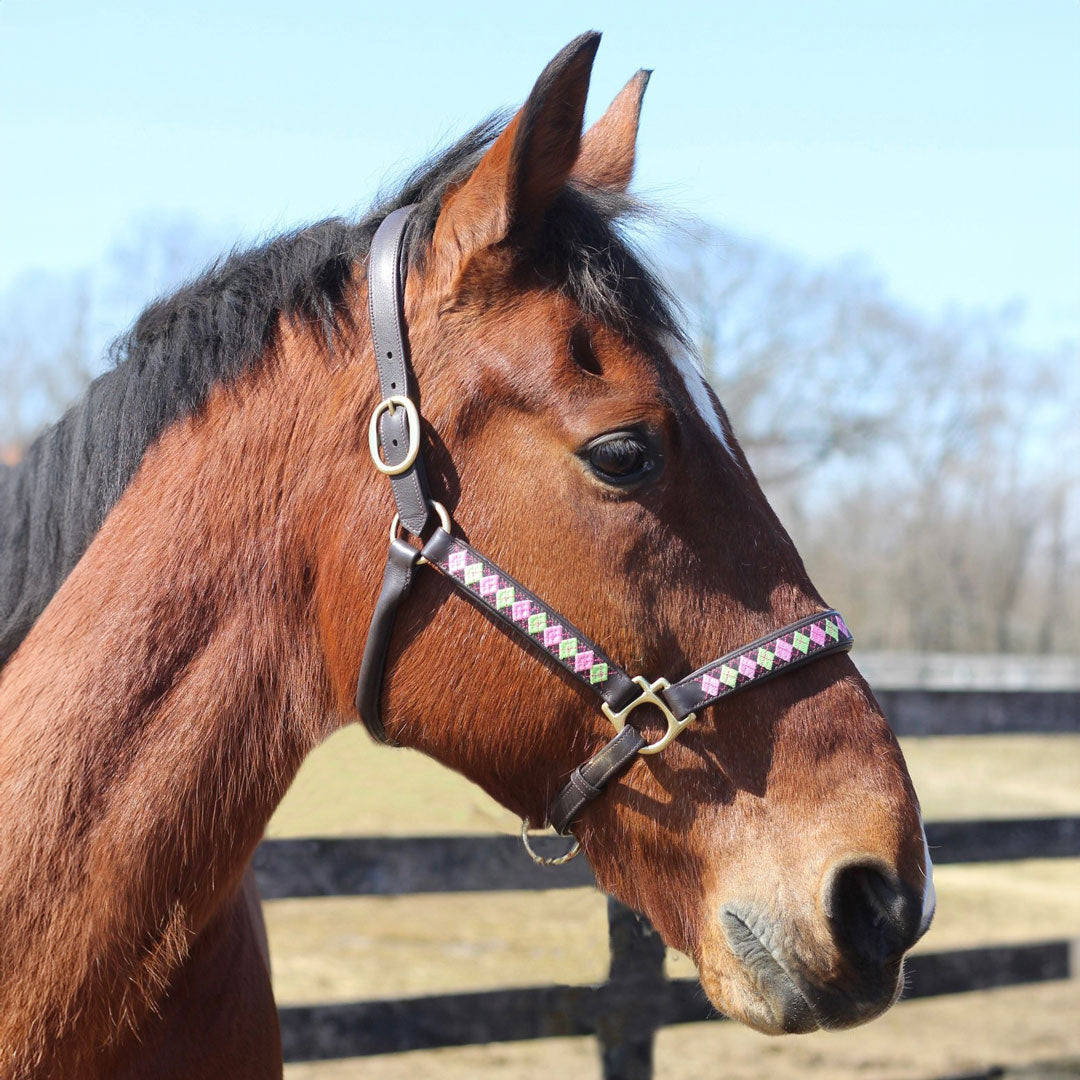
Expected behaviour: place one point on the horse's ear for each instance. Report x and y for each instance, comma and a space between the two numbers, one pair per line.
515, 182
607, 150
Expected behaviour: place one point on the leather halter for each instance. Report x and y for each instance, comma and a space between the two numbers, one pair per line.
394, 436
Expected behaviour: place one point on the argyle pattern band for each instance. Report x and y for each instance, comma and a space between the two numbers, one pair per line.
771, 655
514, 604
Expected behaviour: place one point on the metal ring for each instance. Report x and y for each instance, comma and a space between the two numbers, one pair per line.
444, 521
650, 695
541, 860
388, 405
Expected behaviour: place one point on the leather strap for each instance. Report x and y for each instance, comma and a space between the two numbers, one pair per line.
587, 781
397, 579
386, 295
523, 612
749, 665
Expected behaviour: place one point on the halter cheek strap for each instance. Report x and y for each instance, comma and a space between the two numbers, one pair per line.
395, 436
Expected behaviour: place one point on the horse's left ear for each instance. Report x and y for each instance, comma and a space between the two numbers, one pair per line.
607, 150
509, 191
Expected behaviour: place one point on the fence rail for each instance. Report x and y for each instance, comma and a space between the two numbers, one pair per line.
637, 999
981, 712
395, 866
623, 1012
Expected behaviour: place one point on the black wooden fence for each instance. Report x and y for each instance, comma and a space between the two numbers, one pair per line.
637, 999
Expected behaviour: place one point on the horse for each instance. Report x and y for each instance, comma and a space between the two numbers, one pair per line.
192, 560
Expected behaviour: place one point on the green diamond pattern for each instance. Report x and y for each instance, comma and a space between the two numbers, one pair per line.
473, 573
728, 675
800, 641
504, 597
598, 673
766, 659
831, 630
537, 622
567, 648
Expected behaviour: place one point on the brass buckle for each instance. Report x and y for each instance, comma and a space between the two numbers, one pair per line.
388, 405
650, 696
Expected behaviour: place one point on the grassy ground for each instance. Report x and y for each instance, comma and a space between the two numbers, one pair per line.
340, 949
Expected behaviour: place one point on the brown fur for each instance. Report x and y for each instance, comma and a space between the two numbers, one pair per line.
607, 152
211, 636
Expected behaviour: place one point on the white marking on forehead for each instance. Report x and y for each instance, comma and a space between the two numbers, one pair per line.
929, 898
694, 381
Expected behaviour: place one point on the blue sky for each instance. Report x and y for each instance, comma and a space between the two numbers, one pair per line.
938, 141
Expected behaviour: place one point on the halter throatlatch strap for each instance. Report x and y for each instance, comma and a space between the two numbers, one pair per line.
394, 437
395, 587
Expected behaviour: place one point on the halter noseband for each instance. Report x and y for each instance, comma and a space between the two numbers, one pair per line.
394, 440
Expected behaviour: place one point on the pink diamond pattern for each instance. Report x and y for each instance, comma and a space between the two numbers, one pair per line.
581, 661
584, 662
745, 669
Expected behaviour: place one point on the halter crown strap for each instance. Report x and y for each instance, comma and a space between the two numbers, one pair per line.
396, 423
394, 441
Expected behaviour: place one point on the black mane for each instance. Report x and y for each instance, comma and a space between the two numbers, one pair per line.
215, 328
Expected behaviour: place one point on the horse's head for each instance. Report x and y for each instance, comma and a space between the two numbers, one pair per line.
778, 841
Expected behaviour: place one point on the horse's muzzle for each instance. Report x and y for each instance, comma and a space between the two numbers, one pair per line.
870, 920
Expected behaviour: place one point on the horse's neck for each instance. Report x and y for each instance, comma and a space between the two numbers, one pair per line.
151, 721
55, 498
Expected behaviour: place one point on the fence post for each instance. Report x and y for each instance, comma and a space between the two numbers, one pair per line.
633, 998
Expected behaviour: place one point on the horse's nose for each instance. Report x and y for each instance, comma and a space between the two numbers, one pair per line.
874, 916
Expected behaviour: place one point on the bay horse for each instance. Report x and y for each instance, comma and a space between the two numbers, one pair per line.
192, 558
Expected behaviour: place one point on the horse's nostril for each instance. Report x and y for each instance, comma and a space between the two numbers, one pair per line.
873, 916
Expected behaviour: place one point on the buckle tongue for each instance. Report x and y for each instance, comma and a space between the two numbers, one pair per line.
650, 696
389, 405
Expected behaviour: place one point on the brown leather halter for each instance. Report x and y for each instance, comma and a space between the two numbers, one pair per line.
394, 439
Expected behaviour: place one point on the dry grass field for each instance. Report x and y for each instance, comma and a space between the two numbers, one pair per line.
341, 949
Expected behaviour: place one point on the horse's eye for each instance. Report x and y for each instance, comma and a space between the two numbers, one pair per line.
622, 457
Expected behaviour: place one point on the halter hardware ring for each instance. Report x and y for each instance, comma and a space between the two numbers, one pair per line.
389, 405
650, 696
542, 860
444, 521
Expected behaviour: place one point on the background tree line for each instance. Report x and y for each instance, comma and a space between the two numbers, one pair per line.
927, 467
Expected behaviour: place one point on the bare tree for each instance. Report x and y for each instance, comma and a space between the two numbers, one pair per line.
918, 461
54, 328
45, 352
927, 467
